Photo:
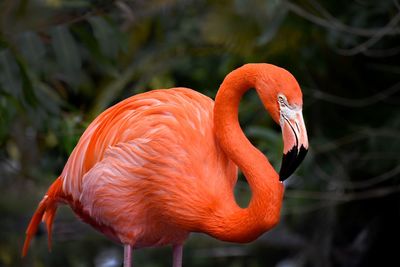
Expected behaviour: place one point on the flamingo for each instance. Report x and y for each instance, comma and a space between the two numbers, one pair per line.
161, 164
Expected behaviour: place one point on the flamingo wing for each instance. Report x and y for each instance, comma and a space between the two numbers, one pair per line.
147, 167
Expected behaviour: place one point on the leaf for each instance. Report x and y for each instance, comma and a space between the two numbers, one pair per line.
48, 98
67, 53
270, 141
32, 49
264, 133
8, 107
106, 36
272, 27
10, 76
71, 130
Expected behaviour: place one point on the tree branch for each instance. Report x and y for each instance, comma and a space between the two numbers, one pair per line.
355, 103
330, 198
334, 24
373, 40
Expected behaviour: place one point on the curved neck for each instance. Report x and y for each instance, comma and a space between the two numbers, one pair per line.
267, 191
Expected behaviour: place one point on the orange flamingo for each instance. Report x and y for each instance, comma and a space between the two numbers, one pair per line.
159, 165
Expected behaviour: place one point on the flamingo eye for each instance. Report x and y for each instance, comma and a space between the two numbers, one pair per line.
281, 100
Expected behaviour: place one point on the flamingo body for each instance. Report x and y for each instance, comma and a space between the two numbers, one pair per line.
148, 165
159, 165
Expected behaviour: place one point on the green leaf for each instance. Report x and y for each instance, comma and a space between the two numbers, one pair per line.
10, 76
32, 49
106, 36
67, 53
272, 27
263, 133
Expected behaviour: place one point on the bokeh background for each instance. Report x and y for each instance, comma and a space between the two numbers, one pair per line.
62, 62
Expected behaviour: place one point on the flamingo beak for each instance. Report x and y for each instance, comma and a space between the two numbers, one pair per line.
295, 141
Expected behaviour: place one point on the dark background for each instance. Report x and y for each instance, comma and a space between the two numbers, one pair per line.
63, 62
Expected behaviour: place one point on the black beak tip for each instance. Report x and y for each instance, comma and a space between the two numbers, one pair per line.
290, 161
282, 177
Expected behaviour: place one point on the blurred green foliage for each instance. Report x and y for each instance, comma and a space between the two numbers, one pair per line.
63, 62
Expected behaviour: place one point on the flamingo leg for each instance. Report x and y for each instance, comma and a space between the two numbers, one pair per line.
127, 256
177, 255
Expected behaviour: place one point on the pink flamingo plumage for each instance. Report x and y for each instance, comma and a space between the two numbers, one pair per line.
159, 165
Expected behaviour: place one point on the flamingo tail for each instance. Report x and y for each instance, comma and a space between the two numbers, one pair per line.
44, 212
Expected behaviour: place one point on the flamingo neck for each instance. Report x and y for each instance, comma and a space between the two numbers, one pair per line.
238, 224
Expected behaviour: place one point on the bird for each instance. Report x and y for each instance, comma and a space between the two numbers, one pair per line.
159, 165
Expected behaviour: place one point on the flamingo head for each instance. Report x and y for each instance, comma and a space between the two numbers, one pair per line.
282, 97
295, 141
